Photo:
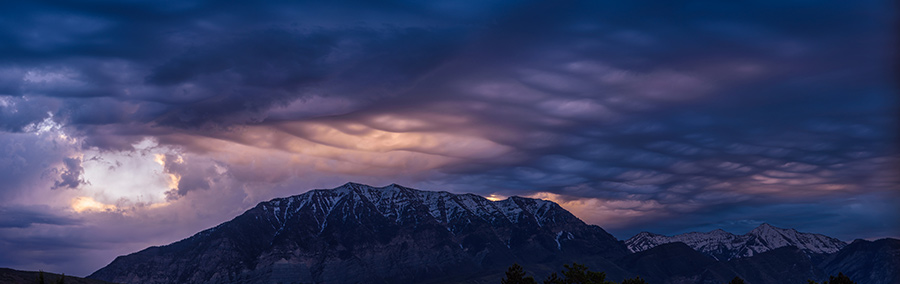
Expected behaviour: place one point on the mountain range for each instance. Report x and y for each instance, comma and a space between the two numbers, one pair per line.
723, 245
357, 233
18, 276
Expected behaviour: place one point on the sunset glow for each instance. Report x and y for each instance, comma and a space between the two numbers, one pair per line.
83, 203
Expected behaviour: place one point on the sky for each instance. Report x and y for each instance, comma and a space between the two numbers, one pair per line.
126, 124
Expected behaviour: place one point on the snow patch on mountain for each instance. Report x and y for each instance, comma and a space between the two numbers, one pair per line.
723, 245
395, 202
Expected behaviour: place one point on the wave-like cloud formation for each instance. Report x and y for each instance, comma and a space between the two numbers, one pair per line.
129, 124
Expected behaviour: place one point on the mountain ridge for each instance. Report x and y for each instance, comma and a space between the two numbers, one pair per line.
400, 233
723, 245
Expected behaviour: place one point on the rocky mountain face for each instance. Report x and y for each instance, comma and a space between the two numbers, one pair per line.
866, 261
358, 233
362, 234
672, 263
788, 264
723, 245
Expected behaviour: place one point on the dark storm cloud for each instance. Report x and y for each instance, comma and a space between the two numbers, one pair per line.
190, 64
806, 127
194, 65
25, 216
241, 80
741, 217
71, 174
665, 164
27, 164
10, 81
190, 177
18, 113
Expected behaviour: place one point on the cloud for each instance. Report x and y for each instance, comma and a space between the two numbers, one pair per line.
26, 216
71, 175
222, 79
29, 161
18, 113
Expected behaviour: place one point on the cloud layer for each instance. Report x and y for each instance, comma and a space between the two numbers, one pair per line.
137, 123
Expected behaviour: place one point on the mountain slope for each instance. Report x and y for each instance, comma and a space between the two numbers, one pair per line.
863, 261
723, 245
787, 264
669, 263
358, 233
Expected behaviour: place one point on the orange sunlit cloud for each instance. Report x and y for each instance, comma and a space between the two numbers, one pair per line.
84, 203
610, 213
346, 147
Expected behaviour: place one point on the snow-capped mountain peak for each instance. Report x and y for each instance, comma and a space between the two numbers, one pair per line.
723, 245
404, 234
395, 202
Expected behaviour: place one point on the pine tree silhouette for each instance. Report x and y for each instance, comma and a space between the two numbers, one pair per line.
516, 275
554, 279
839, 279
636, 280
578, 274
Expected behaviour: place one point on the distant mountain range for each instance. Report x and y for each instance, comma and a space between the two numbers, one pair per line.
18, 276
723, 245
361, 234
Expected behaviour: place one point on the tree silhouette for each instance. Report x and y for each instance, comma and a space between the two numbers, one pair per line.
839, 279
554, 279
516, 275
736, 280
577, 274
41, 277
636, 280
